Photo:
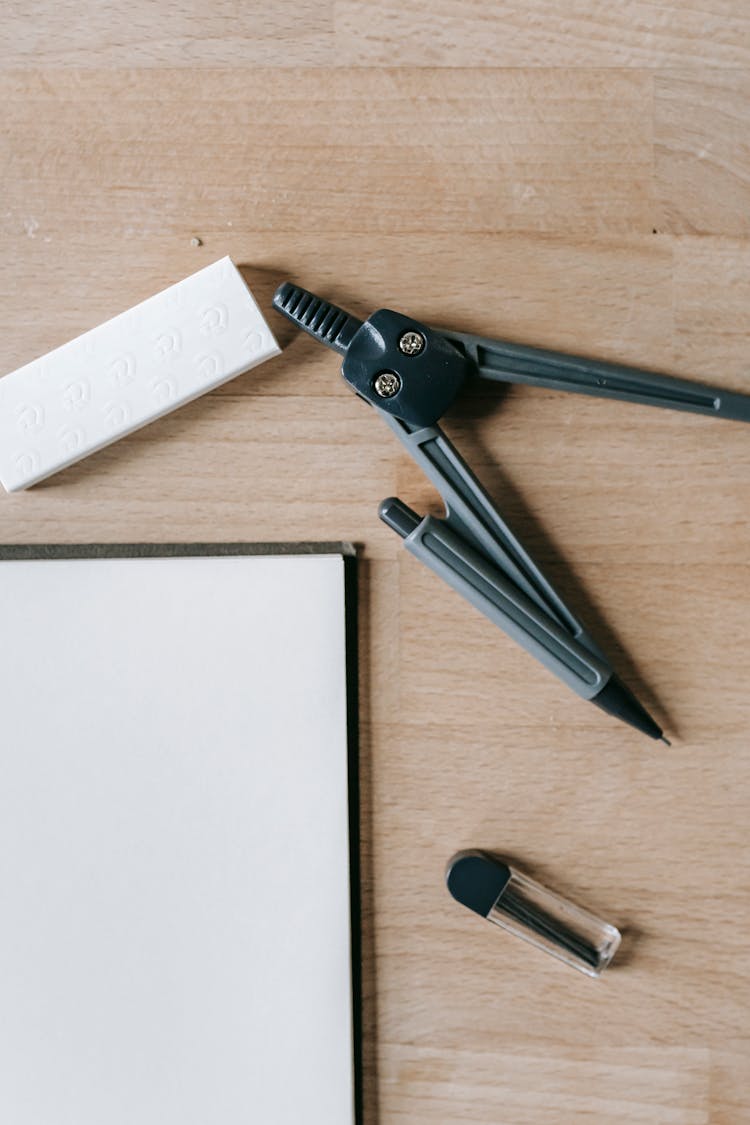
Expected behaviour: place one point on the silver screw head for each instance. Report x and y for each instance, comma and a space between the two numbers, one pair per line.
411, 343
387, 384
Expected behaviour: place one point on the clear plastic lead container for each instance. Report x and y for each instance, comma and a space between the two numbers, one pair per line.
580, 939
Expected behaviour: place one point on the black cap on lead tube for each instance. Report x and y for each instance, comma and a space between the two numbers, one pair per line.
476, 880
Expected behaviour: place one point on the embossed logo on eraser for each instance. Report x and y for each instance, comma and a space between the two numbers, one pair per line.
29, 417
121, 370
116, 415
26, 463
169, 343
77, 395
71, 440
254, 342
210, 365
214, 320
164, 390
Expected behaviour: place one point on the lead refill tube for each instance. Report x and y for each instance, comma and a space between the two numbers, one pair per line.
510, 899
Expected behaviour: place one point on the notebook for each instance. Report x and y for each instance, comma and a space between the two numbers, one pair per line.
175, 891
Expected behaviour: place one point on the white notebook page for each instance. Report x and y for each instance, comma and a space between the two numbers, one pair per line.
174, 861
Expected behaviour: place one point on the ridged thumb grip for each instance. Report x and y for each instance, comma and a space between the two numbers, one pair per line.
326, 322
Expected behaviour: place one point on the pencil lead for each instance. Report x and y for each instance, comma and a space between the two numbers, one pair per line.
665, 740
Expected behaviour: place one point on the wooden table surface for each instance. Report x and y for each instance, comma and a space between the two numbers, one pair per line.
567, 175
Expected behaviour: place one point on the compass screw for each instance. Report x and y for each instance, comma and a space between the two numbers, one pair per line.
387, 384
411, 343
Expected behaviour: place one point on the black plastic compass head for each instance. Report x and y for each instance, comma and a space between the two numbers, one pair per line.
404, 368
396, 364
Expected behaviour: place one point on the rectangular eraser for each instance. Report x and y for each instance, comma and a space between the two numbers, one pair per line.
136, 367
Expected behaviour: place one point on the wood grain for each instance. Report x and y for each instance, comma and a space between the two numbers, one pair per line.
567, 177
171, 33
330, 33
702, 152
530, 33
344, 150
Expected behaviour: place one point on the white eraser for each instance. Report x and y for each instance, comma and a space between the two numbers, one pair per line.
136, 367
